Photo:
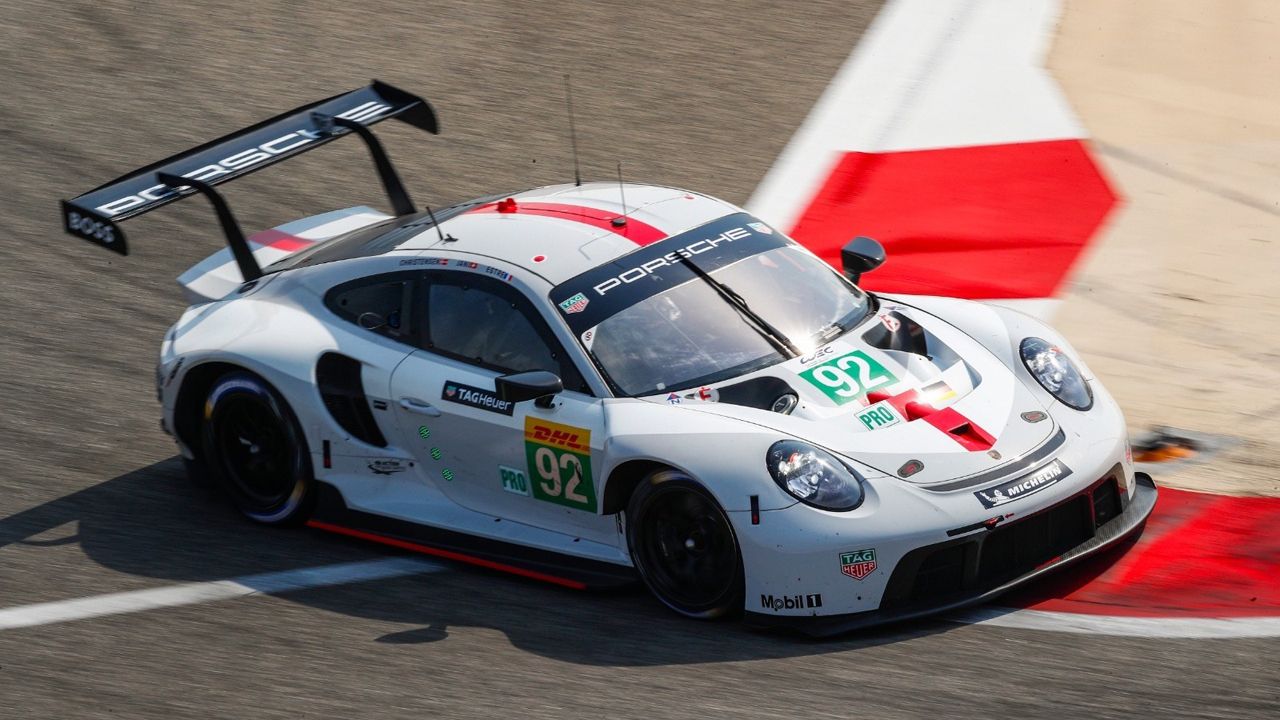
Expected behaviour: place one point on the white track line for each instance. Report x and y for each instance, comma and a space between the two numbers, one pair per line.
1165, 627
927, 74
203, 592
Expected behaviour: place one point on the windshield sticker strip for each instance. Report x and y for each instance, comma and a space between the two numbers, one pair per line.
634, 230
615, 286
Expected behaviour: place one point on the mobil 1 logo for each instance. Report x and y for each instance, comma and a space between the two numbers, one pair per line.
790, 602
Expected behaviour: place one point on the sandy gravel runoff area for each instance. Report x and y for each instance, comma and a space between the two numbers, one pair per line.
1176, 307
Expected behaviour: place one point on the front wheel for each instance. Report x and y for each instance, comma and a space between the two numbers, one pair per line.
683, 546
256, 451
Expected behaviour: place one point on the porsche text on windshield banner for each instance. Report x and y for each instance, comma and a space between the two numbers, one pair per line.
603, 291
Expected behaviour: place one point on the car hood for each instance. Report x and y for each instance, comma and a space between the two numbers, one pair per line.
903, 386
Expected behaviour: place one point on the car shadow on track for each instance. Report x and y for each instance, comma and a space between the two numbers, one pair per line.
153, 522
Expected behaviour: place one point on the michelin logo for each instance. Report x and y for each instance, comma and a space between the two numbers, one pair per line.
1019, 488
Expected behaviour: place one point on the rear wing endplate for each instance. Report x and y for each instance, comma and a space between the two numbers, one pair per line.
94, 216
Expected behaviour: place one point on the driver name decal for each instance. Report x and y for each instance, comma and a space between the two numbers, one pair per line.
849, 377
559, 458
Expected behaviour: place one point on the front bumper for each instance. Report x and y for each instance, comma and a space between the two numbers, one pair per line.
976, 568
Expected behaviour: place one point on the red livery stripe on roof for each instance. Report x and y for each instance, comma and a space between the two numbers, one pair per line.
637, 232
280, 240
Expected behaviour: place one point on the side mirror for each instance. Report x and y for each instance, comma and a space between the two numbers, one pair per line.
535, 384
861, 255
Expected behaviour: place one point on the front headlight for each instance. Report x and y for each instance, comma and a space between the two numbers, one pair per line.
814, 476
1056, 373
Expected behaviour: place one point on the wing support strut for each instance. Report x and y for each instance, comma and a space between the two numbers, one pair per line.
248, 265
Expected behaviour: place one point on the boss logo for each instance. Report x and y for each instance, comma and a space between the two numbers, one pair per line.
90, 228
240, 161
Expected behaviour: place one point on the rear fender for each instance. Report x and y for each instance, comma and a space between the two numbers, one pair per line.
217, 275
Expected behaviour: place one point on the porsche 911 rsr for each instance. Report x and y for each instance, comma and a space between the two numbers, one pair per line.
589, 383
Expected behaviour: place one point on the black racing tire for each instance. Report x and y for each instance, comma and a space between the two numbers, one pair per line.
197, 472
683, 546
255, 450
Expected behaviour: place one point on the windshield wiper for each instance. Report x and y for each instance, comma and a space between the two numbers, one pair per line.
775, 337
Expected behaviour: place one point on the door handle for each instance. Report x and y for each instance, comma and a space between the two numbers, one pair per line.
415, 405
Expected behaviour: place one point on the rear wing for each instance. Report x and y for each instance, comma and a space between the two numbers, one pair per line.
94, 216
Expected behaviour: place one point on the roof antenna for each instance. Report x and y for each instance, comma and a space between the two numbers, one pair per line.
573, 135
621, 219
443, 237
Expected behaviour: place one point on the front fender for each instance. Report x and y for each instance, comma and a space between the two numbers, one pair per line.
727, 456
1000, 329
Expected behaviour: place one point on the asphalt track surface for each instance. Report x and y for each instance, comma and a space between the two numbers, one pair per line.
93, 501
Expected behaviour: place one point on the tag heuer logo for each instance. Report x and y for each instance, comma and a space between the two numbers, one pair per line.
859, 563
760, 227
575, 304
476, 397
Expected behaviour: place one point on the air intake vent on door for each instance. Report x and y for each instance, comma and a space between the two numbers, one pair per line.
338, 377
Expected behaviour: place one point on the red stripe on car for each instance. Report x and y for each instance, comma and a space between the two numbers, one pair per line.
447, 554
949, 420
280, 240
637, 232
961, 429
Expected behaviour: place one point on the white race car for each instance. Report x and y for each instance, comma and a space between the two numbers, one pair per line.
589, 382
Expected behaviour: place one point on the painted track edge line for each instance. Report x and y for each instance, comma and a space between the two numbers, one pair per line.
1171, 627
195, 593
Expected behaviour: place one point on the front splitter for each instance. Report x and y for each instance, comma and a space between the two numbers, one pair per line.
1125, 526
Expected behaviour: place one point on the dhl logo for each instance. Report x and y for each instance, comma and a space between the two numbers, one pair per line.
557, 435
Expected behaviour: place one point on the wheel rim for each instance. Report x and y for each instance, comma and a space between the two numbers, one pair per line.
687, 549
255, 451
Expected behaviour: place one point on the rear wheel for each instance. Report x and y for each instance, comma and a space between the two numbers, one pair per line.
255, 450
684, 547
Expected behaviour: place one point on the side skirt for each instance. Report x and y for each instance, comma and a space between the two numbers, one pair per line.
333, 515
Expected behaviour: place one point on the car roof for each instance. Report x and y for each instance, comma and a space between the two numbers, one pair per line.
560, 231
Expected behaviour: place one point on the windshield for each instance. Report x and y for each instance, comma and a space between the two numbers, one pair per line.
689, 335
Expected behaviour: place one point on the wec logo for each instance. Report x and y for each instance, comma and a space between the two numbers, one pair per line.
241, 161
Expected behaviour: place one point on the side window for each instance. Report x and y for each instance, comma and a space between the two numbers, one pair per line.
494, 326
381, 304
